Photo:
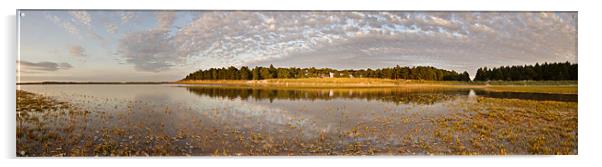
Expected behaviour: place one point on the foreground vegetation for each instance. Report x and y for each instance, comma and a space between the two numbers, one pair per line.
509, 126
480, 125
534, 89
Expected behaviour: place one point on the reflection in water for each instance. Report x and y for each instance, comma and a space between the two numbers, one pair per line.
394, 95
398, 96
215, 120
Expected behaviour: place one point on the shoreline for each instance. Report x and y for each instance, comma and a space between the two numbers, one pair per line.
551, 87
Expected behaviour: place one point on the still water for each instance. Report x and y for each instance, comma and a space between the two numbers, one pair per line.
205, 120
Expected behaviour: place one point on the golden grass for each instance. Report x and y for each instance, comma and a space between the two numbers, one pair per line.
534, 88
332, 83
47, 127
509, 86
510, 126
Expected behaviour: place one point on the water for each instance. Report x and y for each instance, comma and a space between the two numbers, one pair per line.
214, 117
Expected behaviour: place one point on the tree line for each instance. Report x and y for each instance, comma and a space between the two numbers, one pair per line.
271, 72
538, 72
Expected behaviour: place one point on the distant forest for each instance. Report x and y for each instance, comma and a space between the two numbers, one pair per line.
259, 73
538, 72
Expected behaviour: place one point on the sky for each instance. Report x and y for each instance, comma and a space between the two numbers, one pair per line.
115, 45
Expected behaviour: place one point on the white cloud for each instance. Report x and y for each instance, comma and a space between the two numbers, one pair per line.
335, 38
66, 25
77, 51
111, 28
126, 16
80, 25
82, 17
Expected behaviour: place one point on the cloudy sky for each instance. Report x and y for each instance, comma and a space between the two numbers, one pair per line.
167, 45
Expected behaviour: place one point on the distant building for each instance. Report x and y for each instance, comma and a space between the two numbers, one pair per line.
331, 75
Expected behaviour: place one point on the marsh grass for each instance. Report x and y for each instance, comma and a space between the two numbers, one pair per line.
48, 127
564, 87
509, 126
532, 83
534, 88
328, 83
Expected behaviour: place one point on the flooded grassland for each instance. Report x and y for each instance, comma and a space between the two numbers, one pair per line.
182, 120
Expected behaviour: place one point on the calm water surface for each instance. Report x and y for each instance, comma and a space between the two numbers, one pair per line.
282, 114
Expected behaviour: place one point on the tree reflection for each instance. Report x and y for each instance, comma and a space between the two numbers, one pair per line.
398, 96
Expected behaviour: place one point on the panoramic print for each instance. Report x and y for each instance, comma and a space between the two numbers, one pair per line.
301, 83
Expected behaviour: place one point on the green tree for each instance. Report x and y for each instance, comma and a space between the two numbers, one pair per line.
265, 73
255, 72
245, 73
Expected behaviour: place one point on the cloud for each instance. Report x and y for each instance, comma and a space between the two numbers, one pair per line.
82, 17
123, 17
42, 66
481, 28
174, 42
126, 16
152, 50
459, 40
80, 24
66, 25
149, 51
111, 28
77, 51
490, 42
165, 19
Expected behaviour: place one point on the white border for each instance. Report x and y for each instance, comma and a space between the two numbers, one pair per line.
588, 59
